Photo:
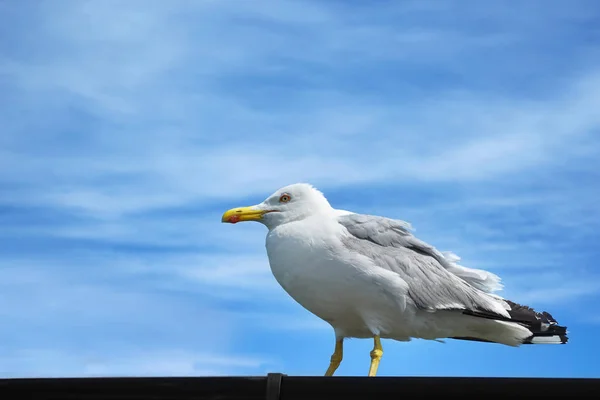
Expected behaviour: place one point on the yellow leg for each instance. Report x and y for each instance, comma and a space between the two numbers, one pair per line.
376, 354
336, 358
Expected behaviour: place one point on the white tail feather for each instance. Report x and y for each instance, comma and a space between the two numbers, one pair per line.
546, 340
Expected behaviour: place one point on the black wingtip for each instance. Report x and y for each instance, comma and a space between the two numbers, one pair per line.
543, 326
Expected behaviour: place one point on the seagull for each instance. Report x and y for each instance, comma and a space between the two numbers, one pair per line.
369, 277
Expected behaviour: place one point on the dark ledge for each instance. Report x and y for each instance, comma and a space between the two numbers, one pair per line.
277, 386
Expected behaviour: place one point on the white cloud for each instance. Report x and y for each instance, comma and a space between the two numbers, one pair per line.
107, 318
40, 362
560, 292
295, 320
161, 148
180, 174
550, 289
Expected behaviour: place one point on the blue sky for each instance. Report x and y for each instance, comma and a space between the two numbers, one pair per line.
127, 128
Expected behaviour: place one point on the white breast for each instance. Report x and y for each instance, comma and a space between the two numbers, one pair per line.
301, 262
307, 264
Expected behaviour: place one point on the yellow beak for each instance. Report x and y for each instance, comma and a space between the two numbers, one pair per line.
242, 214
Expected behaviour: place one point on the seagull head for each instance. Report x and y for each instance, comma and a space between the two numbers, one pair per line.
290, 203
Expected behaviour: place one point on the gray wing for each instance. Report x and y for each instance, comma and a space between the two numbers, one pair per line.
432, 286
396, 233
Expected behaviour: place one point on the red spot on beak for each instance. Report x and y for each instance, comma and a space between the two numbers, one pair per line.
234, 219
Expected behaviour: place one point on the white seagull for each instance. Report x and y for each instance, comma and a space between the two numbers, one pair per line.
370, 277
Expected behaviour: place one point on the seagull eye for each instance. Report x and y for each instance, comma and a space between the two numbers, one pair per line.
285, 198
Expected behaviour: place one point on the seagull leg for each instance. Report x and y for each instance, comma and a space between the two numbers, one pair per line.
336, 358
376, 354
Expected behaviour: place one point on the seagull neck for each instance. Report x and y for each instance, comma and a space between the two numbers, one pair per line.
319, 218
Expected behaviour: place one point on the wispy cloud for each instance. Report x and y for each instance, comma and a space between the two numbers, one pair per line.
129, 127
179, 112
45, 363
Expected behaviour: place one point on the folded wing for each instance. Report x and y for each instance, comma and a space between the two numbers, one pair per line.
396, 233
436, 282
